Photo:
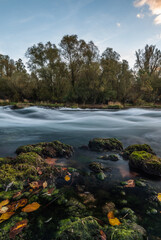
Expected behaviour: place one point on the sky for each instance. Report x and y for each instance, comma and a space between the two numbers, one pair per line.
124, 25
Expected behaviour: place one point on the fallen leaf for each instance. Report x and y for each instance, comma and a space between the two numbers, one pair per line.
34, 185
45, 184
31, 207
50, 190
22, 202
17, 228
4, 203
39, 171
5, 216
103, 235
16, 195
67, 178
51, 161
130, 183
159, 196
112, 220
3, 210
64, 169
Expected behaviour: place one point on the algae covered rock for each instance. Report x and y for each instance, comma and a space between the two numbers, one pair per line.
111, 157
49, 149
126, 231
105, 144
147, 162
137, 147
96, 167
81, 228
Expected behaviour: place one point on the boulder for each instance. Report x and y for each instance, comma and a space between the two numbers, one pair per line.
48, 149
147, 162
137, 147
105, 144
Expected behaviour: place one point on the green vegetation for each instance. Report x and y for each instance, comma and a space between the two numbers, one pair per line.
75, 74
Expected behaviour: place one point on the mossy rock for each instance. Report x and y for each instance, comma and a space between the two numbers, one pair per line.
126, 231
49, 149
147, 162
101, 176
105, 144
82, 228
137, 147
111, 157
74, 208
130, 214
30, 158
96, 167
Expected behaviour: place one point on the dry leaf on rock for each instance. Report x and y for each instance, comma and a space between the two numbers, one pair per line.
4, 203
112, 220
17, 228
31, 207
67, 178
5, 216
130, 183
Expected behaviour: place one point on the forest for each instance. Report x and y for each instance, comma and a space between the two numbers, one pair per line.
76, 72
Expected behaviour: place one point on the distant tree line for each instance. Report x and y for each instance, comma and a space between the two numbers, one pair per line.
76, 72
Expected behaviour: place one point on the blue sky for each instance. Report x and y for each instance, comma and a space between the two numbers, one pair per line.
124, 25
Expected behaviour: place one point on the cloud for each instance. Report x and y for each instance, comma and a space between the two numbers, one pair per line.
154, 6
118, 24
140, 15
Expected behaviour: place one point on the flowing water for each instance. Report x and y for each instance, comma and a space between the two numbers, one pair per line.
77, 127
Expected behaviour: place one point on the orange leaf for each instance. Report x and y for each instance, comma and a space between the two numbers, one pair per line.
31, 207
17, 228
3, 203
110, 215
67, 178
130, 183
5, 216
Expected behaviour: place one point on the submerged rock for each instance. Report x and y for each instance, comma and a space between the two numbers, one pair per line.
147, 162
49, 149
96, 167
105, 144
112, 157
137, 147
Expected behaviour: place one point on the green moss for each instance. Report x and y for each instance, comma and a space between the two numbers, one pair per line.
137, 147
105, 144
84, 228
30, 158
74, 208
124, 232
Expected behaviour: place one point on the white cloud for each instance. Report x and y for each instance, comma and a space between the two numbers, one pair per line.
140, 15
154, 6
118, 24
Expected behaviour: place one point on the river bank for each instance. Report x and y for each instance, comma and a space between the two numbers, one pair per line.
111, 105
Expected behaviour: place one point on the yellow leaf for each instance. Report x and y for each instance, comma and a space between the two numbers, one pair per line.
114, 221
31, 207
3, 203
45, 184
67, 178
159, 196
5, 216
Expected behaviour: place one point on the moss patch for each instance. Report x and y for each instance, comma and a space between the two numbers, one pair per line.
105, 144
